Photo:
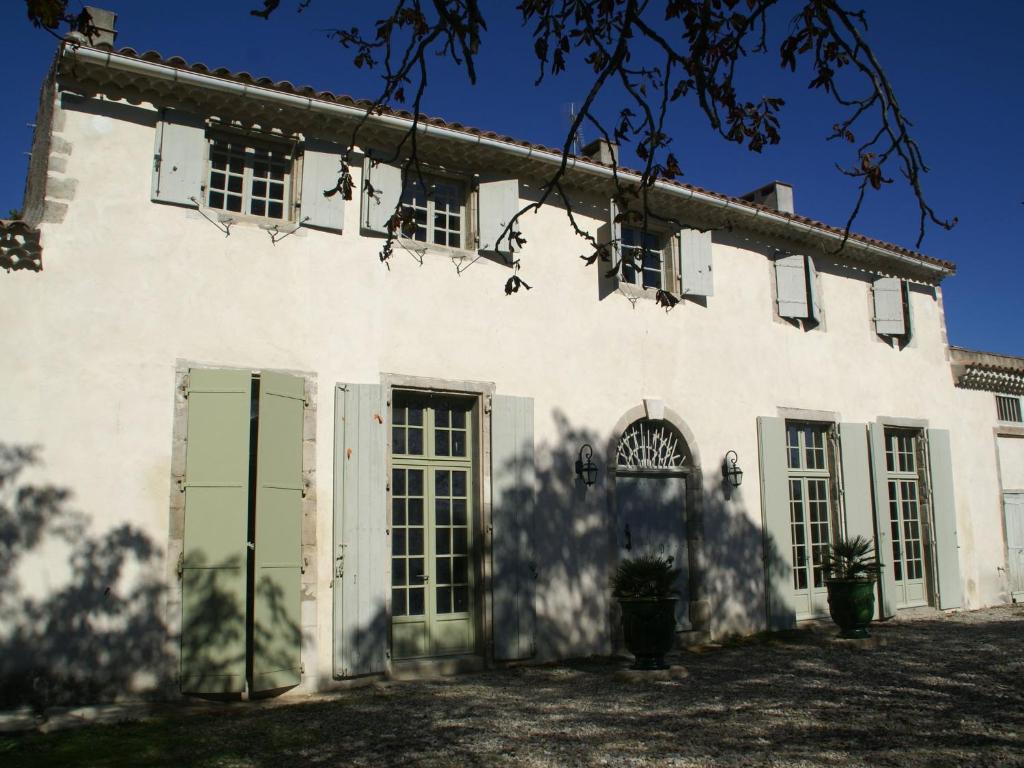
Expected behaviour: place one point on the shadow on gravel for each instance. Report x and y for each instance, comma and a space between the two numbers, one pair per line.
942, 691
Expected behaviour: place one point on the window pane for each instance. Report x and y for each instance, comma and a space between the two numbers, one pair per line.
415, 511
398, 511
415, 482
398, 573
415, 442
444, 599
443, 512
415, 541
416, 602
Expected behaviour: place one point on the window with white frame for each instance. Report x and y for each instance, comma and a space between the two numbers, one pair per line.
438, 206
646, 258
1008, 408
249, 177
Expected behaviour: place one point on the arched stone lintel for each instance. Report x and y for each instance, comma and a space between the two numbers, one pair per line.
639, 412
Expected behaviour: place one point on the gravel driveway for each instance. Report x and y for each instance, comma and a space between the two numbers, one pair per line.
929, 691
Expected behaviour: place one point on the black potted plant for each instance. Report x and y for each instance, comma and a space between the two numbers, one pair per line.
851, 571
645, 589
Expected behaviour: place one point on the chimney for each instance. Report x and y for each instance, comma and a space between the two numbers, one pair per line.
602, 151
105, 28
777, 195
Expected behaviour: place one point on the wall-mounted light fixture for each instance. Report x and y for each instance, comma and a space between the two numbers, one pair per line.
586, 470
730, 472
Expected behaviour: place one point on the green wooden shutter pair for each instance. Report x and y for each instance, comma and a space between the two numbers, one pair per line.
215, 599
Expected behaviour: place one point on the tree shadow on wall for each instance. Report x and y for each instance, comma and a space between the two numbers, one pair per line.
101, 633
576, 542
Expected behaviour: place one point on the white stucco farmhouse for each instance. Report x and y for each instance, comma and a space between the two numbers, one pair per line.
263, 461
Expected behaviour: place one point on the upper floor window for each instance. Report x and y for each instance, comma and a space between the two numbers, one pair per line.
199, 162
1008, 408
646, 260
249, 178
439, 210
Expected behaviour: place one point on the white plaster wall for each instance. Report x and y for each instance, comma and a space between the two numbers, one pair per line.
1011, 462
130, 288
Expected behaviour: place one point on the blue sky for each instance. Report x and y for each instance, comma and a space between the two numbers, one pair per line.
957, 74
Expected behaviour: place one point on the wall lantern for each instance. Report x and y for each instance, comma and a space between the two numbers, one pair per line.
586, 470
732, 474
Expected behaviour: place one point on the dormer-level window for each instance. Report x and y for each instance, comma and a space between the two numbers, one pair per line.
439, 210
650, 260
1008, 408
249, 178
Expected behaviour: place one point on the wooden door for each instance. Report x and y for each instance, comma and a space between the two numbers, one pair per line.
1013, 509
652, 521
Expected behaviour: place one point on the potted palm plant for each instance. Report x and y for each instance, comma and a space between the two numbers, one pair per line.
645, 589
851, 571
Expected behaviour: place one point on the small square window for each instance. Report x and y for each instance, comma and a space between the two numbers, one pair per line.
1008, 408
249, 178
438, 206
645, 258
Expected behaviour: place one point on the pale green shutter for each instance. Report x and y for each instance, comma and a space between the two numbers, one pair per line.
277, 636
791, 285
887, 583
513, 498
497, 203
857, 492
213, 582
321, 168
814, 311
386, 184
888, 299
947, 551
361, 540
695, 274
778, 539
179, 159
858, 507
615, 237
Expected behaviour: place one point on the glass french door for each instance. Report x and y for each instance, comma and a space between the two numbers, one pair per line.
432, 526
907, 518
810, 514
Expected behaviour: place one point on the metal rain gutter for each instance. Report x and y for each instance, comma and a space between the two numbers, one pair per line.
111, 60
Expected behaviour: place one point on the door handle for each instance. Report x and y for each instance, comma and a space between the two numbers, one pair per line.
629, 539
425, 578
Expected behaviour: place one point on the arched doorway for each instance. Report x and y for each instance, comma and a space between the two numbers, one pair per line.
657, 503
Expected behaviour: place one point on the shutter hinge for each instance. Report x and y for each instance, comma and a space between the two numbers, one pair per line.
181, 483
305, 564
180, 568
302, 668
156, 162
186, 382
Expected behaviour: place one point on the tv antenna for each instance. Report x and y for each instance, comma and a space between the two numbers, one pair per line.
569, 112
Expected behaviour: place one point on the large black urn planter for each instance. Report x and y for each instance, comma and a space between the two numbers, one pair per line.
851, 603
851, 570
649, 629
